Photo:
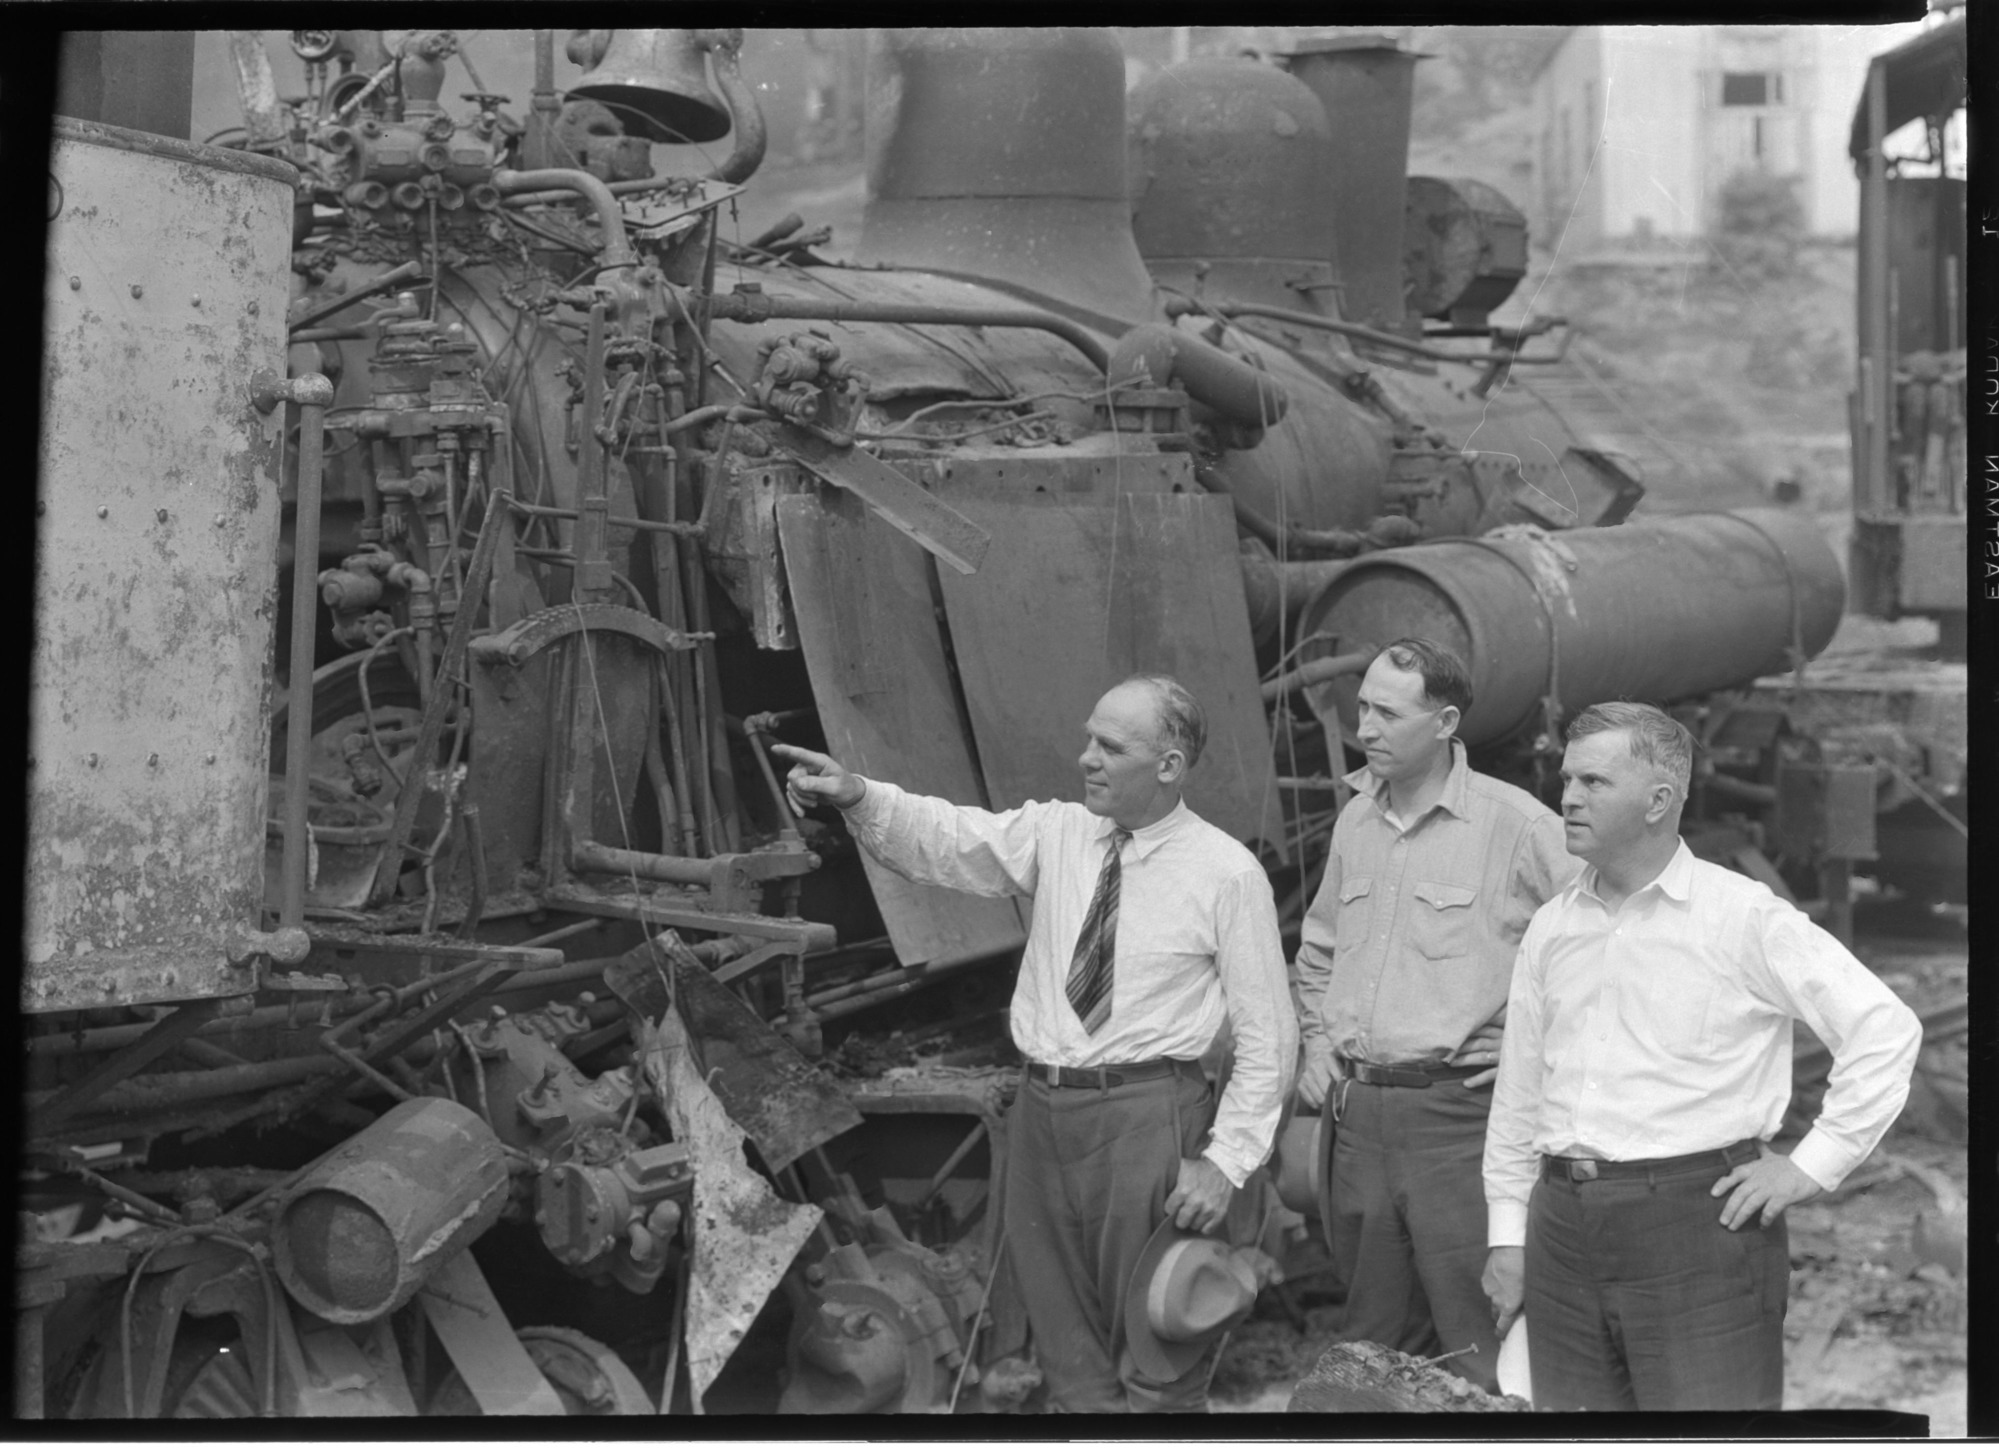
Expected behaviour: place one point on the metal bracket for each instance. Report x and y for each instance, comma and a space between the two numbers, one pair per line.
517, 643
931, 522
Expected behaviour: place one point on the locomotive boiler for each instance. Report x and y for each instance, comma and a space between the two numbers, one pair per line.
433, 1004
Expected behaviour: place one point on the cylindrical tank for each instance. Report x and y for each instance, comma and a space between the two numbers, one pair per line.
999, 153
1648, 611
1365, 83
1228, 165
359, 1234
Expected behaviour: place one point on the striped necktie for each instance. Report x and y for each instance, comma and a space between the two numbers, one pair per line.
1089, 985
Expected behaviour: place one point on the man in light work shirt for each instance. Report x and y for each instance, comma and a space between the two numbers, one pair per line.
1401, 982
1152, 931
1635, 1204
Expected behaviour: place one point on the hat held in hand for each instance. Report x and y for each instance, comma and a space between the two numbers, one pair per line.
1187, 1292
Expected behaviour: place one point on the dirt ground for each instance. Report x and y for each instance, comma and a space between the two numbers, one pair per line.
1871, 1324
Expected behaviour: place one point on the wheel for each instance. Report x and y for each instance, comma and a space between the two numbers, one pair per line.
586, 1376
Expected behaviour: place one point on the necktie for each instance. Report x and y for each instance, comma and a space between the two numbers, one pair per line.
1089, 986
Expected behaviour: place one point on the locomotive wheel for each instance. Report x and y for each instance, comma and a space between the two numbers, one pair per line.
588, 1378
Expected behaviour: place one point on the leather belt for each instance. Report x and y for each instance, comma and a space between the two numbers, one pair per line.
1589, 1169
1117, 1074
1407, 1074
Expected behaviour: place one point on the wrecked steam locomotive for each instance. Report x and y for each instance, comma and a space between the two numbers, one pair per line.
575, 505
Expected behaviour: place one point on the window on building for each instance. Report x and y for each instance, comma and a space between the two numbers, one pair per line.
1752, 88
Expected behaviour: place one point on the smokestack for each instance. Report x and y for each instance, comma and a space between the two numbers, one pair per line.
999, 153
1365, 83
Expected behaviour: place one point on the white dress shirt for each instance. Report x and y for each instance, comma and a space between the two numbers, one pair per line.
1197, 942
1663, 1028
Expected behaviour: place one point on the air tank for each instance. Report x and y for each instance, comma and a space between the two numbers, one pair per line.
999, 153
1647, 611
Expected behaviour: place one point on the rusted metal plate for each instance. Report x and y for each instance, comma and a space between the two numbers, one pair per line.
156, 573
868, 625
742, 1236
1074, 596
935, 526
785, 1106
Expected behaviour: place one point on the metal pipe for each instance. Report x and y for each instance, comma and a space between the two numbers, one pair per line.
679, 870
617, 246
1163, 355
1183, 307
725, 48
408, 271
1316, 671
313, 395
740, 306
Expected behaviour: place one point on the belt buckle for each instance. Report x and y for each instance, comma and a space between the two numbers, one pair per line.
1582, 1169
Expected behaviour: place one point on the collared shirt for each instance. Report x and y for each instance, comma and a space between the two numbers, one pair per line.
1408, 947
1663, 1028
1197, 942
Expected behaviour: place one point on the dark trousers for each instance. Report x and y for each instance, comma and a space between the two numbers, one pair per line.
1408, 1229
1088, 1173
1638, 1297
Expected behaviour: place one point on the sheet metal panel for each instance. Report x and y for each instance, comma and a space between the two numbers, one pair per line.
156, 569
1076, 594
868, 626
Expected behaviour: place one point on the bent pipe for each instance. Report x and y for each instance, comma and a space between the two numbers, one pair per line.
1164, 355
617, 246
763, 307
746, 117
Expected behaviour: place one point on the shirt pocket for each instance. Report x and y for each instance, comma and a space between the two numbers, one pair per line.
1350, 927
1440, 921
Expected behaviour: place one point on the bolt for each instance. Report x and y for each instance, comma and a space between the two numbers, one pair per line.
154, 758
220, 520
91, 759
161, 514
103, 512
137, 290
251, 307
211, 757
76, 284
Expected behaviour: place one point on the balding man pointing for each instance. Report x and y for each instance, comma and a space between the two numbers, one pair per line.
1152, 931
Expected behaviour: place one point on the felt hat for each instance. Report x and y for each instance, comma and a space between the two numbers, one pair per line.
1188, 1290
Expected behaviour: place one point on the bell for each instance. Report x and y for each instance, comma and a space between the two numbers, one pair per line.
654, 81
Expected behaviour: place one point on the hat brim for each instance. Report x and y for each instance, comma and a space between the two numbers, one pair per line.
1322, 1171
1156, 1357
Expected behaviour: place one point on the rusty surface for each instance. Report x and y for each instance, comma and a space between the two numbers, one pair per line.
774, 1095
368, 1226
1150, 584
157, 560
743, 1236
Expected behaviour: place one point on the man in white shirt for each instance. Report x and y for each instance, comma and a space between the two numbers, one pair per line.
1634, 1205
1151, 932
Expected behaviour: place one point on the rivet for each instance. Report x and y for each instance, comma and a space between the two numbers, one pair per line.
251, 307
196, 300
154, 758
160, 514
103, 512
76, 284
91, 759
137, 290
211, 757
220, 519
